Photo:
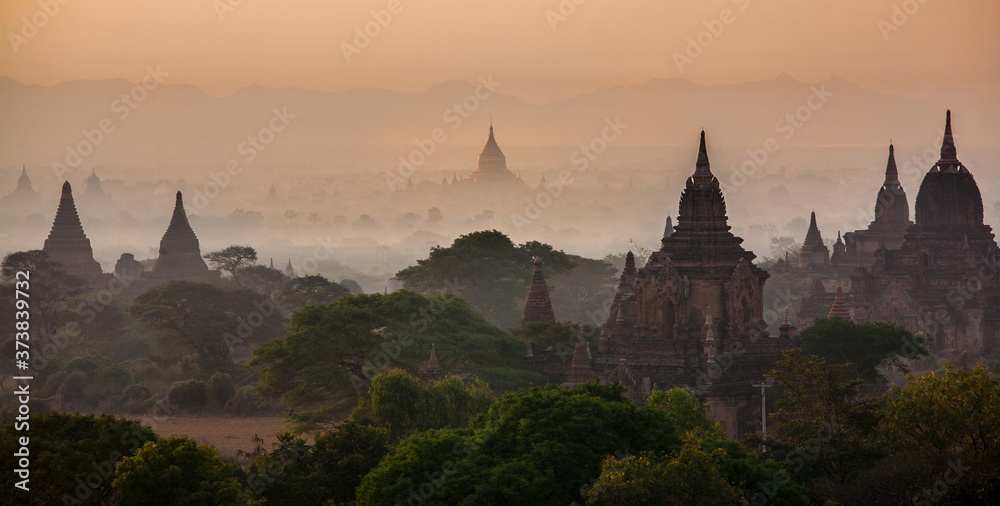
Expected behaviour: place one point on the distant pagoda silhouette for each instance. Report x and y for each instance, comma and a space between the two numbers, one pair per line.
67, 243
180, 254
491, 168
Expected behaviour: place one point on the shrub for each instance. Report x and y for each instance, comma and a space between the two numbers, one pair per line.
189, 394
135, 393
220, 388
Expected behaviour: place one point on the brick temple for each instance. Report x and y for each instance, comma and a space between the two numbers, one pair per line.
692, 316
938, 275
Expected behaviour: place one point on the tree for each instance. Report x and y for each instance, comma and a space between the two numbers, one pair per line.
821, 428
685, 410
403, 404
486, 269
175, 470
434, 215
232, 259
291, 215
950, 423
314, 219
330, 352
206, 319
329, 470
692, 478
538, 446
863, 348
73, 457
312, 289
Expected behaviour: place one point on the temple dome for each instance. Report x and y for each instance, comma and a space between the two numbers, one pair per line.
949, 196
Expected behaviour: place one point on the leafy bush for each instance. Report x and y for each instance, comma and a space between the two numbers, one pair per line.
189, 394
135, 393
73, 456
175, 470
220, 388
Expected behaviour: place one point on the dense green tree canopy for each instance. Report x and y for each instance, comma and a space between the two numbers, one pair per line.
538, 446
206, 319
487, 269
66, 448
864, 348
403, 404
175, 471
330, 352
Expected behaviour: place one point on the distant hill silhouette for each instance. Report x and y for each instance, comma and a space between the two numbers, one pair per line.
183, 124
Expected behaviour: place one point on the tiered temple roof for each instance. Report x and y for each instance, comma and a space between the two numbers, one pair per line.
180, 253
67, 243
432, 371
538, 306
814, 251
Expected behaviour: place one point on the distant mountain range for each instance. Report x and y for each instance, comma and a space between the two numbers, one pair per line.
181, 124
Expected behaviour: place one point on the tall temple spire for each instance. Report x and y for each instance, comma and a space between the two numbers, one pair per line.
891, 173
703, 170
289, 271
814, 251
629, 265
813, 236
433, 369
948, 151
538, 305
180, 253
668, 230
24, 182
67, 243
580, 371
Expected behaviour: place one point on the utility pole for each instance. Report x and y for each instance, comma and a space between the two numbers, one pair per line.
763, 385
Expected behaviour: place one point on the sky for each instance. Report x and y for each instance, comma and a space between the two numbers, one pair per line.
541, 50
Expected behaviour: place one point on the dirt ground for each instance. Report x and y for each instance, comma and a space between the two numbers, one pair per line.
226, 435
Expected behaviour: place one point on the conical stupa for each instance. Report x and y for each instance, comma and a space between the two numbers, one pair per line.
67, 243
180, 254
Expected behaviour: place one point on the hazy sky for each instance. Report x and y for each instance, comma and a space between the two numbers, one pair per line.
537, 52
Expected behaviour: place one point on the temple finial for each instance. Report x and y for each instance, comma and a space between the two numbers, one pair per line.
948, 151
67, 190
180, 200
702, 152
891, 173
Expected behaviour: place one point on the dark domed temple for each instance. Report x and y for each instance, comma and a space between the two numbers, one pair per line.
942, 276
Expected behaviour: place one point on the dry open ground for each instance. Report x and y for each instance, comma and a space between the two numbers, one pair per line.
226, 435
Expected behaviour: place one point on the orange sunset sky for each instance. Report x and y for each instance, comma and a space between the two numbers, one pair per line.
541, 50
